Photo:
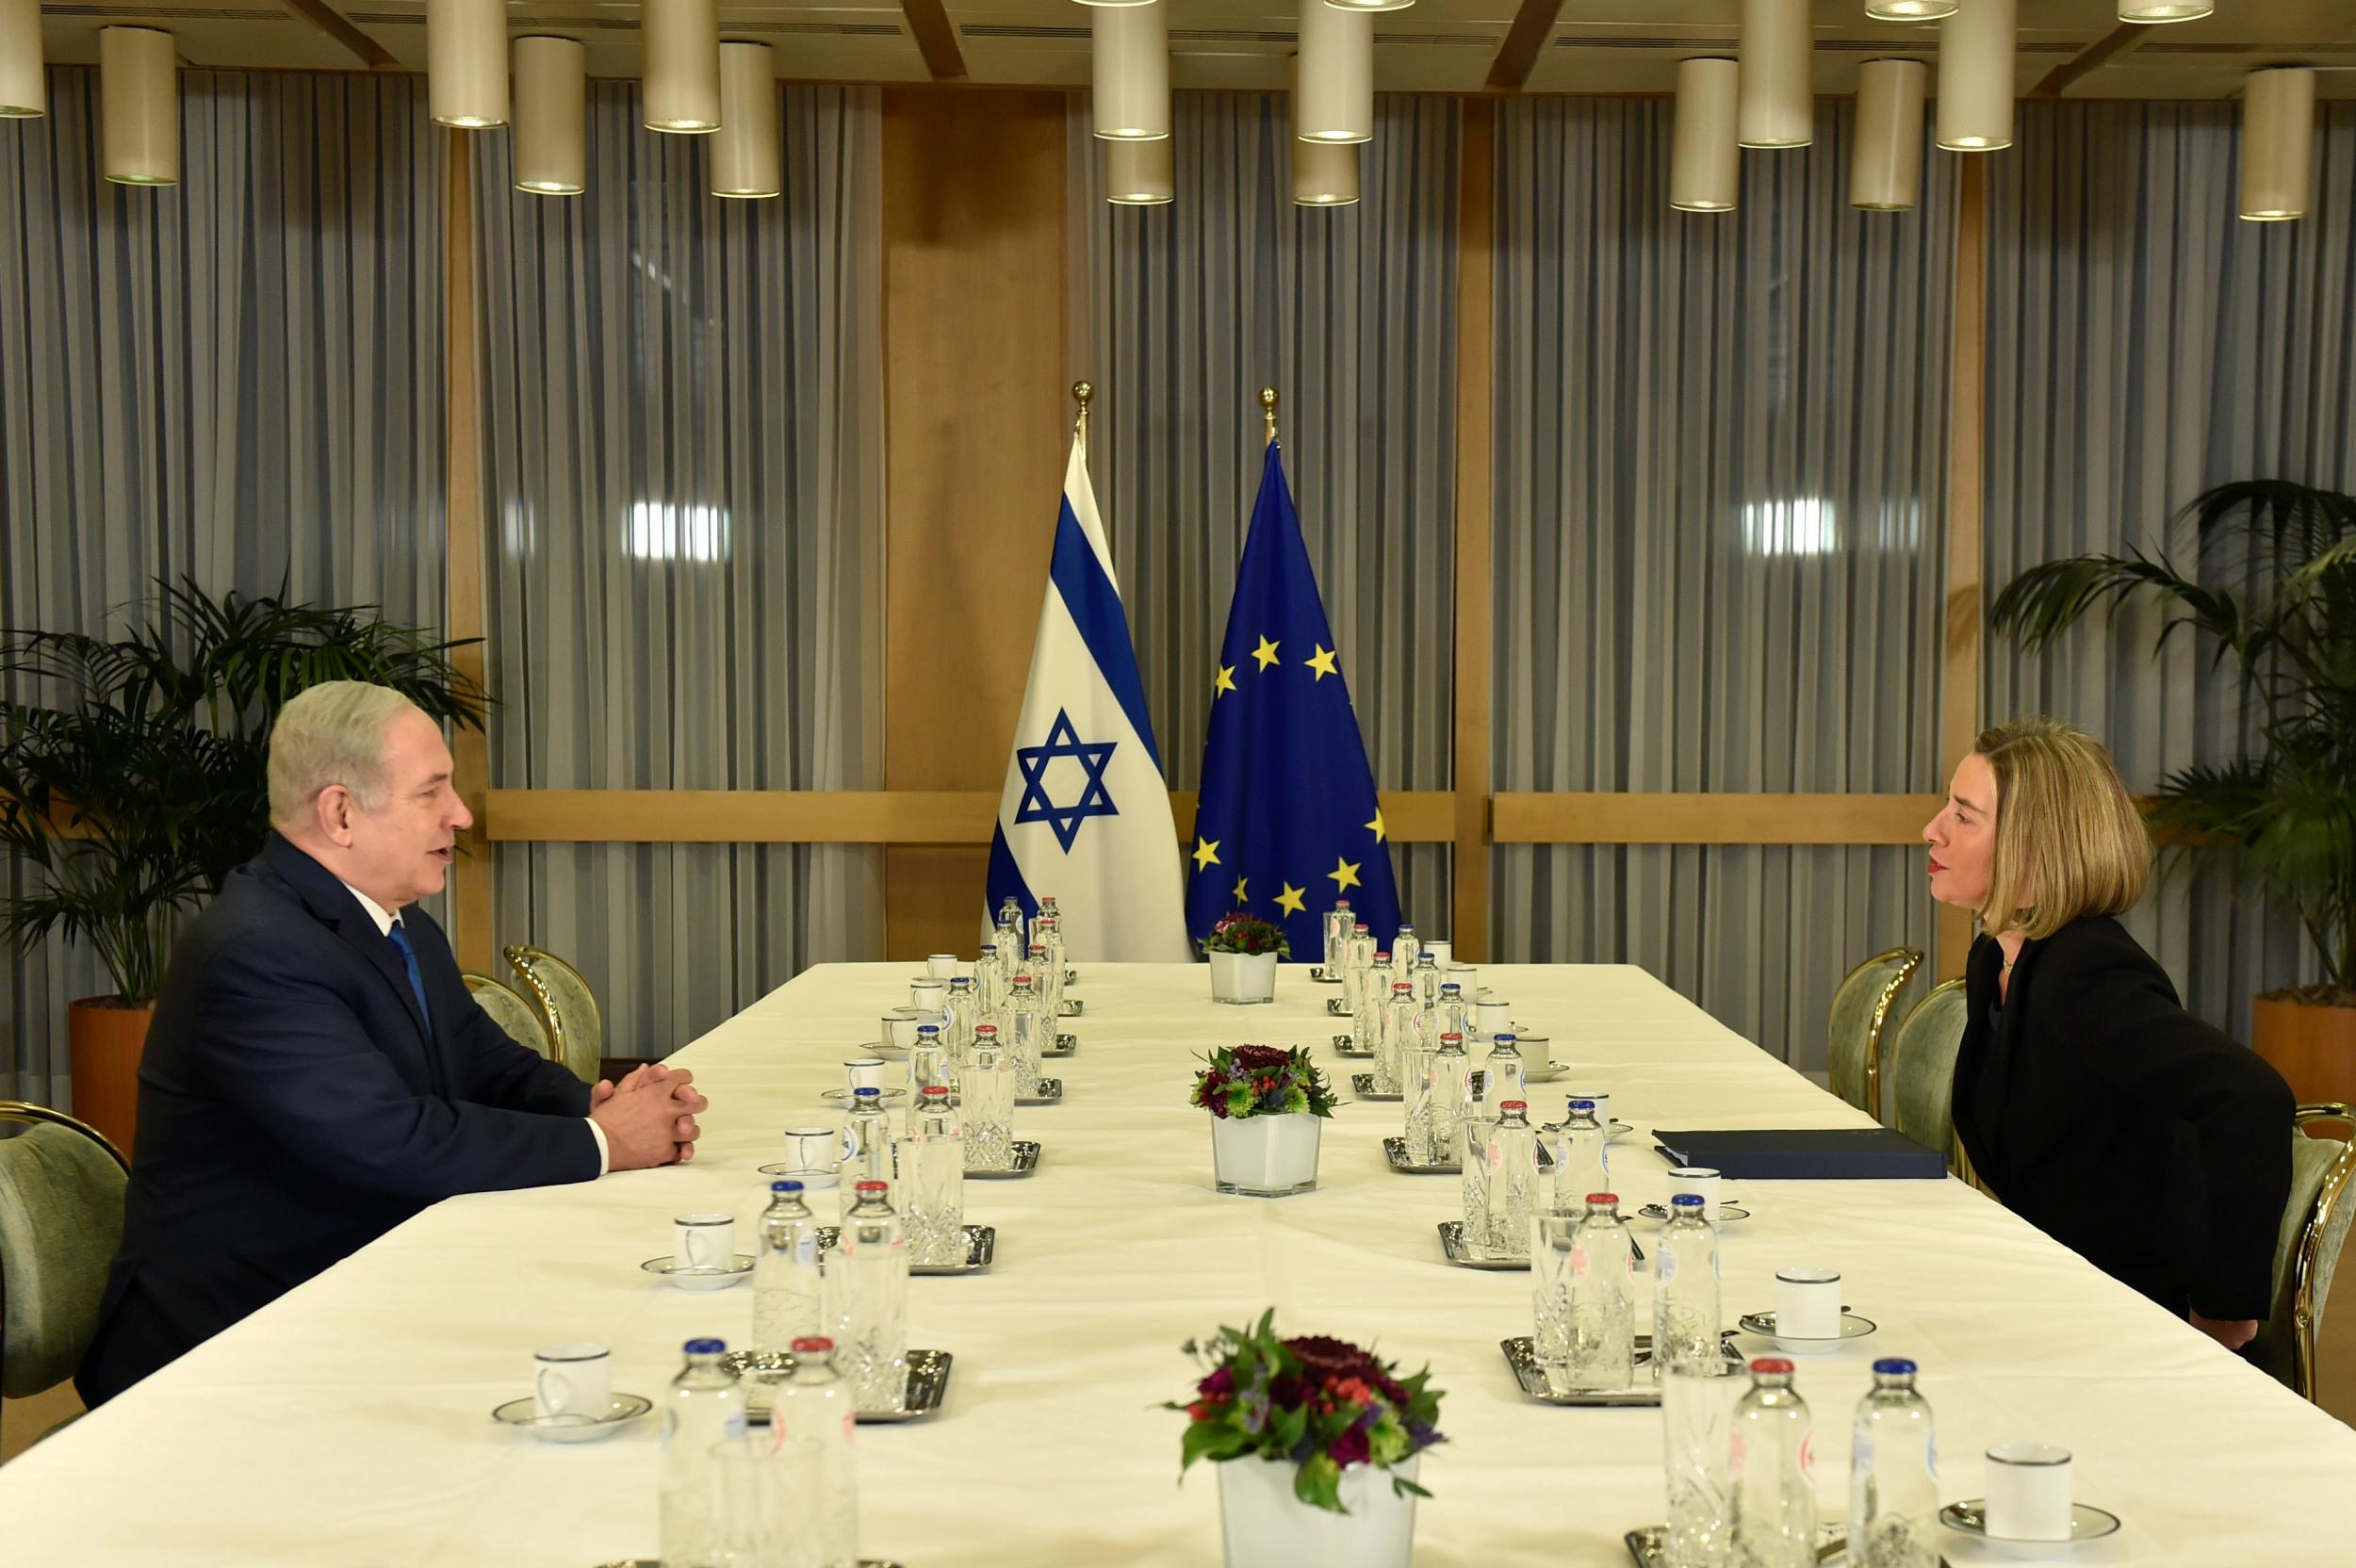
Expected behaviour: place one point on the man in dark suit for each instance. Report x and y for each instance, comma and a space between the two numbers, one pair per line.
316, 1072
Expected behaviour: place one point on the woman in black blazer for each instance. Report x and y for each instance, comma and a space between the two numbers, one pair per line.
2092, 1104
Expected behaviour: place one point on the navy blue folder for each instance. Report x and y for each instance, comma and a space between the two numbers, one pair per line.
1805, 1155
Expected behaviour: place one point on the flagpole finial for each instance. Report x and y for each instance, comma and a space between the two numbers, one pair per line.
1082, 391
1268, 410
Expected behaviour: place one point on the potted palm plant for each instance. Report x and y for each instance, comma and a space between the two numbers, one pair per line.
134, 778
2273, 581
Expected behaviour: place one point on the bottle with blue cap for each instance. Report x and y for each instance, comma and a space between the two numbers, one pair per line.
788, 1286
1583, 1158
1894, 1473
867, 1150
1685, 1305
704, 1409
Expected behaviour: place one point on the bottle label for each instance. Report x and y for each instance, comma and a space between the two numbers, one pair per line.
1861, 1451
1579, 1262
1807, 1456
1930, 1455
1667, 1264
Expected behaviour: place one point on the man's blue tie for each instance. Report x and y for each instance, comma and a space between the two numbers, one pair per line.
409, 962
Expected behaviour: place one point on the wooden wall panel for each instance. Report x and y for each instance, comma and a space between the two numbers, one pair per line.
976, 428
1474, 528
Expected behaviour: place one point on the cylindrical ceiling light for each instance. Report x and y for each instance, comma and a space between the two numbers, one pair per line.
1975, 77
23, 89
682, 43
1778, 107
745, 159
1370, 5
1705, 161
1325, 174
2155, 12
1140, 173
1909, 10
465, 63
139, 103
551, 116
1886, 165
1132, 46
2278, 143
1335, 99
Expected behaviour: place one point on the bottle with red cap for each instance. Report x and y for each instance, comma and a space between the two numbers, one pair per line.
986, 1090
932, 1182
1512, 1183
1772, 1465
811, 1424
1021, 1028
867, 1301
1600, 1325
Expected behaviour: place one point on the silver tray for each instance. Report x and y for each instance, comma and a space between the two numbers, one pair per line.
1452, 1244
1071, 1008
1025, 1161
761, 1370
981, 1247
1065, 1045
1347, 1045
1071, 976
1338, 1007
1050, 1092
1362, 1085
1649, 1547
1317, 972
1394, 1151
1531, 1374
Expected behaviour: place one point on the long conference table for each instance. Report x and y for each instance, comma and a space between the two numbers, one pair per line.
349, 1423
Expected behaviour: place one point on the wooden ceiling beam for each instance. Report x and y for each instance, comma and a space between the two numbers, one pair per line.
2120, 39
328, 19
936, 38
1517, 57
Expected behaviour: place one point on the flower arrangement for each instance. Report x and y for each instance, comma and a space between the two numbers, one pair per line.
1262, 1080
1246, 933
1319, 1403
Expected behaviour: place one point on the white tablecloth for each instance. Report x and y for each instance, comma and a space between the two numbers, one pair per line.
349, 1423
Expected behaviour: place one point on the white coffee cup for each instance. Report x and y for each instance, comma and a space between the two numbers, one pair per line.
1601, 1097
1490, 1019
1537, 1051
812, 1148
941, 966
1808, 1303
572, 1380
2028, 1491
1703, 1183
866, 1072
899, 1027
704, 1240
1465, 977
1443, 953
929, 996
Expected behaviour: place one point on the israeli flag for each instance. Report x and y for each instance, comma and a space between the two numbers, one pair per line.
1085, 814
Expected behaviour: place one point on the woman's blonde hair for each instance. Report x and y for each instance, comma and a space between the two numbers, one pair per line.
2069, 842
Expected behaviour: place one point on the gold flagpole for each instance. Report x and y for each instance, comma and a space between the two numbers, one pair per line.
1081, 392
1268, 410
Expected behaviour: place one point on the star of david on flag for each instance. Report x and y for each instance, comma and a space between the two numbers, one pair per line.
1083, 813
1289, 821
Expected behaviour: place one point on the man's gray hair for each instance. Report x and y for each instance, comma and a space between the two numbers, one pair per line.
333, 733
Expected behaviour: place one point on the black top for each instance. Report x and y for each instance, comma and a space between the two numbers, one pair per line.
295, 1105
2123, 1127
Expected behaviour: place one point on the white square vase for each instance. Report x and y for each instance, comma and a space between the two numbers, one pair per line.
1242, 979
1265, 1157
1265, 1526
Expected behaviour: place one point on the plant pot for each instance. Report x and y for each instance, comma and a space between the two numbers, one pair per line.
1242, 979
1265, 1157
2312, 1047
1265, 1526
105, 1039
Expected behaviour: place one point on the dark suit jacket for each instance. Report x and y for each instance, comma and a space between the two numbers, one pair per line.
2129, 1131
294, 1106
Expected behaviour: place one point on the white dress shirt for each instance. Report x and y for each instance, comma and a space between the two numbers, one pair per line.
386, 919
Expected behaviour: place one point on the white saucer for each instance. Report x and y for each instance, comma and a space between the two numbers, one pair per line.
812, 1180
2086, 1523
842, 1097
1547, 1074
525, 1415
700, 1279
1729, 1214
885, 1049
1763, 1325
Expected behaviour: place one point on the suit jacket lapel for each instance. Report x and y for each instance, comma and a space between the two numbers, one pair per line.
332, 902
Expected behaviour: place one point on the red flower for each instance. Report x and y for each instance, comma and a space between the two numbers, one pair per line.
1219, 1382
1353, 1389
1353, 1447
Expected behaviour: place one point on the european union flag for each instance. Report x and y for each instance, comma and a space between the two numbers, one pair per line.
1289, 821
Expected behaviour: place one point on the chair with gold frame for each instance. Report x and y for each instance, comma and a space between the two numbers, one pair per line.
566, 1005
1922, 1066
1852, 1056
2307, 1250
510, 1009
61, 1194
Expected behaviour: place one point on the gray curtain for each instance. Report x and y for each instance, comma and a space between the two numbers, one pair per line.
1187, 311
2145, 344
239, 378
683, 431
1720, 491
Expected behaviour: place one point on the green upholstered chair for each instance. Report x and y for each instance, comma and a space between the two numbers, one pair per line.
1922, 1066
1859, 1009
61, 1187
566, 1005
2307, 1248
511, 1012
